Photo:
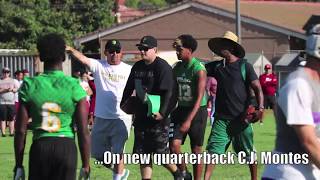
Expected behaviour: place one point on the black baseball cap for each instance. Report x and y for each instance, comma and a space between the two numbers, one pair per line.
186, 41
113, 44
148, 41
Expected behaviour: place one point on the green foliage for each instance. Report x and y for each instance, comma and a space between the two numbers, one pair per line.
145, 4
22, 21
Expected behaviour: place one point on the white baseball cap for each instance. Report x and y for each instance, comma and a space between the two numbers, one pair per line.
313, 42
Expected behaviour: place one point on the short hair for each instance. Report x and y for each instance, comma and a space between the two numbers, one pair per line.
51, 48
188, 42
17, 72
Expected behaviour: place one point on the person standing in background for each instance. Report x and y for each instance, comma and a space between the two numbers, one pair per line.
269, 83
8, 88
211, 89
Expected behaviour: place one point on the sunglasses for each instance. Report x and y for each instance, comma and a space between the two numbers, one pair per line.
143, 48
114, 51
6, 71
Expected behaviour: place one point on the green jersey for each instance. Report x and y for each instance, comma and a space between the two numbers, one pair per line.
51, 99
187, 79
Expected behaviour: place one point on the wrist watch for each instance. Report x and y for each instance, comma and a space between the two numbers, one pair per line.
260, 108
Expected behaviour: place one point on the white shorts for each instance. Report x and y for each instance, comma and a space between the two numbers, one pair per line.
109, 135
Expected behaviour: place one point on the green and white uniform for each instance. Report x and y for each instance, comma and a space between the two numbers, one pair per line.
187, 79
51, 99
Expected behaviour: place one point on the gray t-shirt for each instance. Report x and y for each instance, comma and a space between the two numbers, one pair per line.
297, 104
8, 97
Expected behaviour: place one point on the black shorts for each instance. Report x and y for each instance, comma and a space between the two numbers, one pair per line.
7, 112
53, 158
152, 140
197, 128
269, 102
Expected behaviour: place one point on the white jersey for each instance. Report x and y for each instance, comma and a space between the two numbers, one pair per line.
299, 105
110, 81
16, 94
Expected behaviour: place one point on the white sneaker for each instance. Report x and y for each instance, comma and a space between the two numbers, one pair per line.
125, 174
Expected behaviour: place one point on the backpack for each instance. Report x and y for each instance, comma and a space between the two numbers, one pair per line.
212, 66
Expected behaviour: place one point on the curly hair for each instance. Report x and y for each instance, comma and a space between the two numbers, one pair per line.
51, 48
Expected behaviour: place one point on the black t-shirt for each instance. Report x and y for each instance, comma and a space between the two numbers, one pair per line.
156, 79
232, 90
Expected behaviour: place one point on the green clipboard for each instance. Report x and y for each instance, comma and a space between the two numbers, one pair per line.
153, 102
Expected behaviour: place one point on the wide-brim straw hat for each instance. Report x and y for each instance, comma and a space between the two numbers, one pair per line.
228, 40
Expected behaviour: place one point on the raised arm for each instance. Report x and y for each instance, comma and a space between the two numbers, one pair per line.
78, 55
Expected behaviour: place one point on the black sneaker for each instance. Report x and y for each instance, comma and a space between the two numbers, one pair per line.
3, 135
11, 135
177, 175
187, 175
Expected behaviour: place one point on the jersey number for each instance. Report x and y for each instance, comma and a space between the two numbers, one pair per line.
50, 122
185, 92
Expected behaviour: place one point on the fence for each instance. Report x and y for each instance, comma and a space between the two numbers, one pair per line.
18, 62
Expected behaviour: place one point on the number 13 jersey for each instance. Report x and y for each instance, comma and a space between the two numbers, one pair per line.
187, 78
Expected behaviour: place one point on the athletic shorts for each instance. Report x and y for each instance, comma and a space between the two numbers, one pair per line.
53, 158
269, 102
152, 140
224, 132
197, 128
7, 112
109, 135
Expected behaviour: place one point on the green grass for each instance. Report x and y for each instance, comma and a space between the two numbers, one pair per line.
263, 138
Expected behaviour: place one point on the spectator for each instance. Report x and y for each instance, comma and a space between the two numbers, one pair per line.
92, 101
8, 88
190, 117
18, 80
211, 89
298, 118
269, 83
154, 76
25, 73
232, 124
53, 153
111, 127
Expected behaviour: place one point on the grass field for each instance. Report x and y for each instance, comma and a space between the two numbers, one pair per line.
263, 138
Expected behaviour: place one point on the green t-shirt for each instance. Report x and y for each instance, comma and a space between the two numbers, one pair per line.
187, 79
51, 99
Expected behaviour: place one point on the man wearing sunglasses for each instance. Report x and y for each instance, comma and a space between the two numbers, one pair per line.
111, 127
8, 88
190, 117
151, 75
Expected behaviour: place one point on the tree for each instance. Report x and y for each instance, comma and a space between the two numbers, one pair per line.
22, 21
146, 4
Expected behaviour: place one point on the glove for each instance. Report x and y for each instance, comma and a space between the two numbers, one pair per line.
83, 175
19, 173
252, 115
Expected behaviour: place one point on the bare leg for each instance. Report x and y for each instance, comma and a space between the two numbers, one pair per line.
3, 127
175, 147
197, 168
146, 171
11, 127
118, 168
208, 171
253, 171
